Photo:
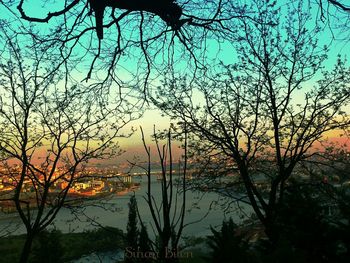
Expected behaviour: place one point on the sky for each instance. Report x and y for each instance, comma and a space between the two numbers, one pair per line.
153, 117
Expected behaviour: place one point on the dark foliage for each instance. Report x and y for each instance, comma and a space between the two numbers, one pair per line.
132, 232
54, 246
227, 245
306, 231
144, 242
48, 247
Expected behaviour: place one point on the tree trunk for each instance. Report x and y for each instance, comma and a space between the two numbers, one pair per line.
26, 248
271, 229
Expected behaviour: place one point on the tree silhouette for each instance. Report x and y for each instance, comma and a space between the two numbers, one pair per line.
147, 37
262, 114
167, 10
168, 214
50, 129
307, 231
152, 35
47, 247
132, 232
227, 245
144, 241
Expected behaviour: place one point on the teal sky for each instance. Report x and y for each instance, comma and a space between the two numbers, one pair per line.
216, 53
221, 52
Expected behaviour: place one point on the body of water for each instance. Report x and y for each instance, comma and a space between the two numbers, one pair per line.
203, 209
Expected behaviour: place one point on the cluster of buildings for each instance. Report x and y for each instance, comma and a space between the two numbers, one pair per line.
92, 182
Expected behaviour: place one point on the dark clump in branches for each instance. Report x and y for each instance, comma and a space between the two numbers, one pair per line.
167, 10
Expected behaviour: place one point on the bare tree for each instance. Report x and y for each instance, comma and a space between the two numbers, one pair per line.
141, 39
266, 112
50, 129
168, 214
